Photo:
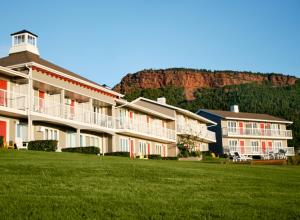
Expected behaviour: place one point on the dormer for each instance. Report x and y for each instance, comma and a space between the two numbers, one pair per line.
24, 41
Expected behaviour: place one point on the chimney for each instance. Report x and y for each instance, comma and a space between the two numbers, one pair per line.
162, 100
24, 41
234, 108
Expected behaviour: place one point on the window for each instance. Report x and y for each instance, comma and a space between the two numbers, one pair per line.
19, 39
143, 148
158, 149
71, 139
255, 146
124, 144
231, 126
233, 145
51, 134
31, 40
277, 146
204, 147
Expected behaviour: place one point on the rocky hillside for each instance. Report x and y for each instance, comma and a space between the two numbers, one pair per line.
192, 79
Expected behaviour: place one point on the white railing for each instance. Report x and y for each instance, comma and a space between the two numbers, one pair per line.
257, 132
258, 150
56, 109
198, 131
13, 100
145, 128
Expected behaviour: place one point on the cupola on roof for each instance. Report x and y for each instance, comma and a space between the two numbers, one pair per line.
24, 41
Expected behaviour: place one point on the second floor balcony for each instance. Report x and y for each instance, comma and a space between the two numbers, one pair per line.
199, 132
68, 112
256, 132
11, 100
147, 129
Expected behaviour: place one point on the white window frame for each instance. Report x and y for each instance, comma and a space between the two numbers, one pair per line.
255, 147
232, 126
123, 144
233, 145
49, 134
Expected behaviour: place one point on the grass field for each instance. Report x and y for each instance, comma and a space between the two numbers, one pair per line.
41, 185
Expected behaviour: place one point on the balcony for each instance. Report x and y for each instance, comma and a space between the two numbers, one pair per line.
63, 111
13, 100
145, 129
257, 132
200, 132
258, 150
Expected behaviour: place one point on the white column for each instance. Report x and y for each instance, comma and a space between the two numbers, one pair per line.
77, 138
30, 102
62, 102
91, 111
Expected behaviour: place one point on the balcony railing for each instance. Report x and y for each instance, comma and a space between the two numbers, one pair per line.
258, 150
145, 128
69, 112
200, 132
13, 100
258, 132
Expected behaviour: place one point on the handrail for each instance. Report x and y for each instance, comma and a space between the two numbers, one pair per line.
145, 128
13, 100
256, 132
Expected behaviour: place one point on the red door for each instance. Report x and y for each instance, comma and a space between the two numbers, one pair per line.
263, 147
242, 146
149, 149
3, 129
241, 125
270, 146
41, 101
262, 129
131, 149
3, 94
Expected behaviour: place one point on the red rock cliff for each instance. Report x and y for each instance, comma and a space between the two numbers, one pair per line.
191, 79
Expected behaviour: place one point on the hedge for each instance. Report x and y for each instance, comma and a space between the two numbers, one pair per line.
119, 153
1, 141
154, 157
43, 145
170, 158
83, 150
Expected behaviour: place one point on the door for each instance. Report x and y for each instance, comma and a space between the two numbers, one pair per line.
72, 108
41, 101
149, 150
3, 130
262, 129
131, 149
241, 128
263, 147
270, 146
242, 146
3, 92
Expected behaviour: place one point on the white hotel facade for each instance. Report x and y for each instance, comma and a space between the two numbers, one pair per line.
40, 100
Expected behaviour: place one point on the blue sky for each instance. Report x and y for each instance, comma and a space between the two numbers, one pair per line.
104, 40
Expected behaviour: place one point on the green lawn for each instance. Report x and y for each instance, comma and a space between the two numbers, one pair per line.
41, 185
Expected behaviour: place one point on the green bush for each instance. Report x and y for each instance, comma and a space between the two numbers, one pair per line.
43, 145
1, 141
119, 153
83, 150
294, 160
195, 153
154, 157
170, 158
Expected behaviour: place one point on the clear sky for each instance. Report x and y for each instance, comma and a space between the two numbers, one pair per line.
104, 40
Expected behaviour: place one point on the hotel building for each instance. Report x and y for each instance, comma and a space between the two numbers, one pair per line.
40, 100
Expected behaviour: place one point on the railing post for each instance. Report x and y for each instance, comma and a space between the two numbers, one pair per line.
62, 102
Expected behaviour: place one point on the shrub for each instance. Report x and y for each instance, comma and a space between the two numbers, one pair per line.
83, 150
294, 160
195, 153
154, 157
119, 153
43, 145
170, 158
1, 141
